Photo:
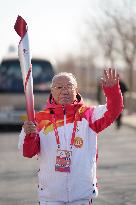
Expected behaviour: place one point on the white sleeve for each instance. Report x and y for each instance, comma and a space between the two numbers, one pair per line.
98, 112
21, 141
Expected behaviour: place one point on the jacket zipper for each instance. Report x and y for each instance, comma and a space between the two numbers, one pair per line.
64, 111
67, 147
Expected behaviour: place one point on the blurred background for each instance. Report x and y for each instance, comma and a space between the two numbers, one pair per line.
79, 36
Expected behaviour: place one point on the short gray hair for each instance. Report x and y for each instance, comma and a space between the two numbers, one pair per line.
66, 74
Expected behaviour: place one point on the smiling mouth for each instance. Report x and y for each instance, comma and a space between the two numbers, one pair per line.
64, 99
64, 96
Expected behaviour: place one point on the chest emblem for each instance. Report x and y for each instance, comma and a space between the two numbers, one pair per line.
63, 161
78, 142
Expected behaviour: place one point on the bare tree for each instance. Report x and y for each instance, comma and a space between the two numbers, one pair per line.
116, 36
123, 42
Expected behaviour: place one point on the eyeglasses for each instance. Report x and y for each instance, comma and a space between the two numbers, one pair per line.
60, 87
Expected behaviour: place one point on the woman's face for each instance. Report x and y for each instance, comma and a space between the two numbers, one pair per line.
63, 91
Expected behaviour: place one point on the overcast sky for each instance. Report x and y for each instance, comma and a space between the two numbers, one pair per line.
53, 25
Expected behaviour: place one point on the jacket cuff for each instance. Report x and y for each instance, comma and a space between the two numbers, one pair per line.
109, 91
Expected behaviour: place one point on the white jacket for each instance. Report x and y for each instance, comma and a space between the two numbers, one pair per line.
81, 182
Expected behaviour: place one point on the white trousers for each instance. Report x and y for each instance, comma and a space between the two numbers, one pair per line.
80, 202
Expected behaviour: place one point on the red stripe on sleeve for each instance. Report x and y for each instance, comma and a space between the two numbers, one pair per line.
114, 108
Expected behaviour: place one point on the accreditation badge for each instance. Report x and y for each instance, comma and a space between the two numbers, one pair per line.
78, 142
63, 160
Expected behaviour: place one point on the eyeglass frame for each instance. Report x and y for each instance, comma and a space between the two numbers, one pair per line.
68, 87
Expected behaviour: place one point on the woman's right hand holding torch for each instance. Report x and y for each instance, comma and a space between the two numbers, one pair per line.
29, 127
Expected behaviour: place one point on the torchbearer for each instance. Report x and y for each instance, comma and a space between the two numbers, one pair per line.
67, 140
26, 69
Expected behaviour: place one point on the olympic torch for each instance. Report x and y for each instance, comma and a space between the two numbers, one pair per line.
26, 66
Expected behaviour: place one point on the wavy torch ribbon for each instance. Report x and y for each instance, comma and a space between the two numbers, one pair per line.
26, 67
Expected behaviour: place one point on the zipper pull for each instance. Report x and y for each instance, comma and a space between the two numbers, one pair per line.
64, 111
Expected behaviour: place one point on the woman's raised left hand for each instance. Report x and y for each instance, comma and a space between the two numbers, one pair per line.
110, 78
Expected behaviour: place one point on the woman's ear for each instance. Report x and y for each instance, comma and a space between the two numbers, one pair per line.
50, 97
78, 96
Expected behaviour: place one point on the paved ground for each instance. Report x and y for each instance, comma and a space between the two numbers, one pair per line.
116, 170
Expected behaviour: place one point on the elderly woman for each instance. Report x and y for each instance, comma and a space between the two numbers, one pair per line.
66, 140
